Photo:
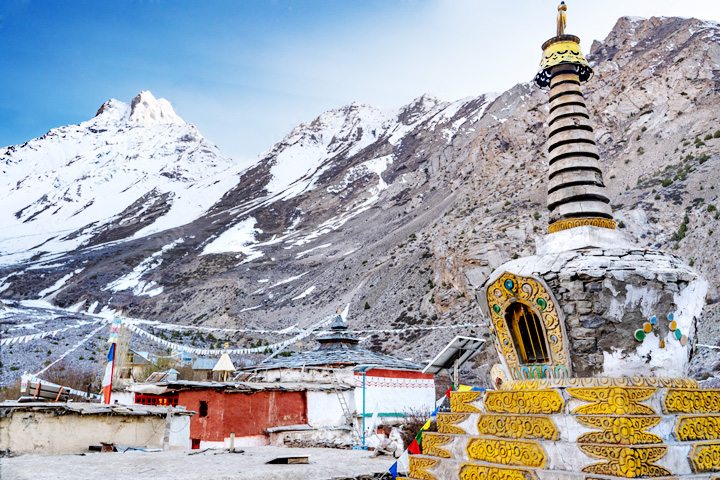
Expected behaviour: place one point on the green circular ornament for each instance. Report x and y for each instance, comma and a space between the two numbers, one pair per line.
496, 308
678, 334
542, 303
640, 334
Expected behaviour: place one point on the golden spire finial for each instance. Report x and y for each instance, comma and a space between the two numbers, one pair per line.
561, 20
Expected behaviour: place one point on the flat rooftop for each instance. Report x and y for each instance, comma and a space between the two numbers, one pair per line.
325, 464
82, 408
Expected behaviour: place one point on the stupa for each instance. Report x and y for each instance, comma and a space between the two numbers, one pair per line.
594, 337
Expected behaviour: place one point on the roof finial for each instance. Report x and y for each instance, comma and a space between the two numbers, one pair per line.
561, 19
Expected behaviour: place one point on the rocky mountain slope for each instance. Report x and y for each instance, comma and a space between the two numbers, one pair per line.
401, 214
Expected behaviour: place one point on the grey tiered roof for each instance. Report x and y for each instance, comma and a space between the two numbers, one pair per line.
338, 348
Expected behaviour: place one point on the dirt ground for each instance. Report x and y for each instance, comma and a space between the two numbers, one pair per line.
325, 464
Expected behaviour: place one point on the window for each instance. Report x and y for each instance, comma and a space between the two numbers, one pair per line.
527, 333
149, 399
203, 408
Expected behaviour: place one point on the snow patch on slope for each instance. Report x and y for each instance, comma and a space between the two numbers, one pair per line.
240, 238
305, 293
59, 284
300, 156
132, 280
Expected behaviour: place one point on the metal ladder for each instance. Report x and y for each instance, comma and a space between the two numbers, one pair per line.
343, 404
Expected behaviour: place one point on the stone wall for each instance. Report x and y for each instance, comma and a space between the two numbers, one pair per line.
607, 295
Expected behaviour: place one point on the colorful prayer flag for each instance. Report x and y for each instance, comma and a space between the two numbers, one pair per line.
418, 438
404, 462
414, 447
393, 470
107, 379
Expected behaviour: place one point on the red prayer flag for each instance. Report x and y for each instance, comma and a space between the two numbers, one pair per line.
414, 447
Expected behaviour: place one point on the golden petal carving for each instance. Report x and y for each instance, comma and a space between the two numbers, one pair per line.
692, 401
626, 430
470, 471
700, 427
518, 453
705, 457
447, 422
524, 402
460, 402
613, 400
517, 426
432, 444
419, 466
628, 462
662, 382
567, 224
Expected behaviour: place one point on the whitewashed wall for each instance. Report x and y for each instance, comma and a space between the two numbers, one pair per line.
324, 408
122, 398
394, 395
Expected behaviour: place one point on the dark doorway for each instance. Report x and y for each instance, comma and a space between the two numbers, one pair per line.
527, 333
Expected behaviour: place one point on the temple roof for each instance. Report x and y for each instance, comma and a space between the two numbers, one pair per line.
337, 348
349, 356
204, 363
338, 336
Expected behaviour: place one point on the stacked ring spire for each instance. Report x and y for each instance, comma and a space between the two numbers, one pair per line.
576, 191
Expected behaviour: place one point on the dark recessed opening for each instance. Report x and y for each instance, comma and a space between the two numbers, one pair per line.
527, 333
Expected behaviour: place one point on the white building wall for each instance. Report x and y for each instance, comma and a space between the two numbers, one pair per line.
324, 409
390, 395
122, 398
179, 432
313, 375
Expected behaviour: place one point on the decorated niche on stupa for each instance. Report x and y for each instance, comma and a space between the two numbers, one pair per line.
593, 335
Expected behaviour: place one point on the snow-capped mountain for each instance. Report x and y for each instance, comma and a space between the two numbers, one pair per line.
130, 171
135, 172
404, 211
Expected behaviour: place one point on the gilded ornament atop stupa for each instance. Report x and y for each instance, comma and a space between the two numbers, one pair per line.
562, 49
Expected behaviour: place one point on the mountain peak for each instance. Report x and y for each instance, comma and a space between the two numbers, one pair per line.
419, 107
112, 112
148, 110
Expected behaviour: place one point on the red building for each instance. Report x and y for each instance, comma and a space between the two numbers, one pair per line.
247, 410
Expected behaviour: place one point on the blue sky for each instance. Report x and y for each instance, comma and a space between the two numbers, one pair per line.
246, 72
